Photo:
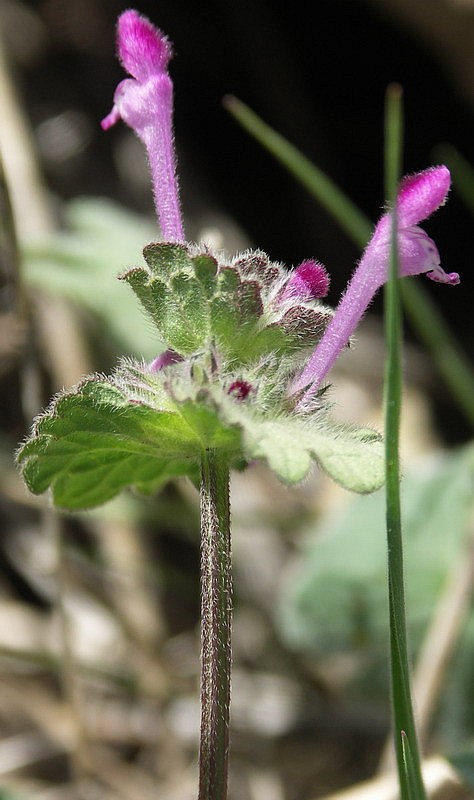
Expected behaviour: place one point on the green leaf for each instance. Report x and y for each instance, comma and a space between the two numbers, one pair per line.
166, 259
158, 305
93, 443
179, 311
356, 465
224, 322
228, 280
199, 304
290, 444
152, 294
258, 343
274, 442
209, 427
205, 269
193, 314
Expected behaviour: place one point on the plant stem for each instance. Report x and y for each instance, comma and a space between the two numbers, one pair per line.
216, 609
405, 739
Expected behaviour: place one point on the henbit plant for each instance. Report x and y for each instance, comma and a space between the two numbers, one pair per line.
247, 349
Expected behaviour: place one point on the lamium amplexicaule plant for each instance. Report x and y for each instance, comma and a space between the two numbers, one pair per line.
242, 378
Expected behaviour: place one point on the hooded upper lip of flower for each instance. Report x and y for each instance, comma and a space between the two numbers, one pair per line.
418, 197
145, 103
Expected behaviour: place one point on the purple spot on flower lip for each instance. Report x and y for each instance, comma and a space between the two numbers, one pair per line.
240, 390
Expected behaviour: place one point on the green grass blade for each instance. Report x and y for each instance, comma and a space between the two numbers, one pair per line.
410, 771
339, 206
411, 783
447, 356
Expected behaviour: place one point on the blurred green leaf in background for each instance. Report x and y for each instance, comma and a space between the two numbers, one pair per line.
335, 602
81, 262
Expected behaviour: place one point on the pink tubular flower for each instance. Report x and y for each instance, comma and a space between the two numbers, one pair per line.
145, 103
419, 195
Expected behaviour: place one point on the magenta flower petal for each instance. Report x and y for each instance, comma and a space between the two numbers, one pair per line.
309, 280
421, 194
165, 359
142, 48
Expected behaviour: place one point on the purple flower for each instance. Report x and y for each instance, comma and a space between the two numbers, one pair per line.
165, 359
145, 103
308, 281
418, 197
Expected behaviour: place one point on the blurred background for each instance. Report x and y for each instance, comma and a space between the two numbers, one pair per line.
99, 639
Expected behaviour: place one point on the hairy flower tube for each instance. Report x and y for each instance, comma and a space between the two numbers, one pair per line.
145, 103
419, 196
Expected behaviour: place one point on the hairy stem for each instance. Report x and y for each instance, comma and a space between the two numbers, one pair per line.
216, 607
